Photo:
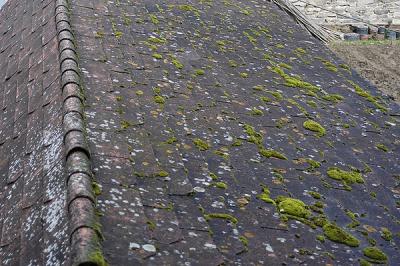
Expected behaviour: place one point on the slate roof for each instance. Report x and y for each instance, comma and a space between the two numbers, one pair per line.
213, 132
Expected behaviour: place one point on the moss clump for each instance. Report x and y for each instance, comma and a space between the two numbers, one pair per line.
96, 188
314, 194
368, 96
97, 258
237, 143
382, 147
364, 263
313, 164
221, 185
157, 56
294, 207
199, 72
139, 93
315, 127
244, 75
159, 99
348, 177
254, 136
295, 81
162, 173
223, 216
285, 66
386, 234
277, 95
232, 63
154, 19
244, 241
125, 124
201, 144
171, 140
320, 238
272, 154
213, 176
258, 87
354, 222
156, 40
375, 254
265, 195
151, 225
336, 234
256, 112
99, 35
333, 98
330, 66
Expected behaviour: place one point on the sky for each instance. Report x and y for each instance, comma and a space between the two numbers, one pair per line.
2, 2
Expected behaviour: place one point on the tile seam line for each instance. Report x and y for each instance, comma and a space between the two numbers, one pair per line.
85, 236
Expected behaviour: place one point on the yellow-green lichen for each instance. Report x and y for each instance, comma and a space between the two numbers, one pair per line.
337, 234
315, 127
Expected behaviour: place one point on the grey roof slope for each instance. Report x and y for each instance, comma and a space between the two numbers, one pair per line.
219, 132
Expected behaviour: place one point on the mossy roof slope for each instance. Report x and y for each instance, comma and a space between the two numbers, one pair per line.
221, 131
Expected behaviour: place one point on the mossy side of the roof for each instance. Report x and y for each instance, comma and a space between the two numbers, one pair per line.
221, 131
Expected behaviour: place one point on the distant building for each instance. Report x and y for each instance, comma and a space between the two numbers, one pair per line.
372, 11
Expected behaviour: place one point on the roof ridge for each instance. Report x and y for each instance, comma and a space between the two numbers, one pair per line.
85, 235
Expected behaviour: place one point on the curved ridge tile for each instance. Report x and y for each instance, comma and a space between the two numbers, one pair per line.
85, 232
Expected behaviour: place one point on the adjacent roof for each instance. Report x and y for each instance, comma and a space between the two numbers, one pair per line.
217, 132
33, 218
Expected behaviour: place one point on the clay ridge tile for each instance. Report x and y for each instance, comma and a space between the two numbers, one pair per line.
85, 235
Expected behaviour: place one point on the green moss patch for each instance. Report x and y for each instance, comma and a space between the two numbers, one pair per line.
201, 144
338, 235
348, 177
375, 254
223, 216
315, 127
365, 94
265, 196
272, 154
159, 99
382, 147
294, 207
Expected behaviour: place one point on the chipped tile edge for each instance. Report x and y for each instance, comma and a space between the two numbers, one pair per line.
85, 233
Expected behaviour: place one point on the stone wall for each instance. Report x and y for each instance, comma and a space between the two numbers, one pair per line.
380, 12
